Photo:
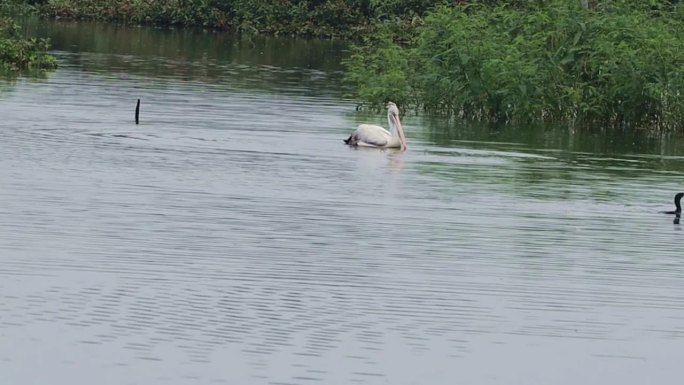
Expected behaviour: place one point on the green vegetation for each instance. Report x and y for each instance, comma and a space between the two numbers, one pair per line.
329, 18
589, 62
619, 63
17, 52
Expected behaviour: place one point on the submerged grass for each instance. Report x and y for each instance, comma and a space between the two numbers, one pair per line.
618, 64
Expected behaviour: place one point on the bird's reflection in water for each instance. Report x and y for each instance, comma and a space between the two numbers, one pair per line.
396, 162
676, 219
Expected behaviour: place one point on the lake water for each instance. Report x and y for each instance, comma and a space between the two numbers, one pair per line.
232, 238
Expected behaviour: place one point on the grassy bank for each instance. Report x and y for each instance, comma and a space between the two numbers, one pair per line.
618, 63
17, 52
323, 18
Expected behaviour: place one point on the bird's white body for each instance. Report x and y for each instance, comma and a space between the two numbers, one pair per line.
369, 135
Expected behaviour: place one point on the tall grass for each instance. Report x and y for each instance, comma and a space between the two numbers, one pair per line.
617, 64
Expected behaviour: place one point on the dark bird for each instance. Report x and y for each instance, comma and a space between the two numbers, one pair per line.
678, 205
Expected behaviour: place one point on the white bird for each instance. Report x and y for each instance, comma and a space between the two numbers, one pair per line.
368, 135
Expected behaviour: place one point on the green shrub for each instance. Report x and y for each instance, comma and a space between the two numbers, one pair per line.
381, 70
344, 18
17, 52
617, 64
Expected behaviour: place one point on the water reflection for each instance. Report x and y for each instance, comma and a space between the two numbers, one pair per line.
232, 237
566, 141
279, 64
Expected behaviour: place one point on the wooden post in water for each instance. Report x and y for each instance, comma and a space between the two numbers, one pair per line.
137, 111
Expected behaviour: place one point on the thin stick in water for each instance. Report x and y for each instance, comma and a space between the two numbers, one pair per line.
137, 111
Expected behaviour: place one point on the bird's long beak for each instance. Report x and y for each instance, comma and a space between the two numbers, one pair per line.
402, 137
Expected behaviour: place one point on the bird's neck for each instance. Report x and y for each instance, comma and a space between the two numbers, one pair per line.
392, 126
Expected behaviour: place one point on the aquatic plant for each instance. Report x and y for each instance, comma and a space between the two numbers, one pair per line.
616, 64
17, 52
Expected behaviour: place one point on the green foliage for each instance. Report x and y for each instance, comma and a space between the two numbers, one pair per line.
208, 13
322, 17
618, 64
343, 18
17, 52
379, 67
401, 8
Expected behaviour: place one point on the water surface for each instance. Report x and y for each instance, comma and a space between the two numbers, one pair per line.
232, 238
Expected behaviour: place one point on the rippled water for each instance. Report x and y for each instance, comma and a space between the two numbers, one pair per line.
232, 238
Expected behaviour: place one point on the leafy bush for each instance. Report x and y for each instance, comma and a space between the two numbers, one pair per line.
208, 13
617, 64
17, 52
346, 18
